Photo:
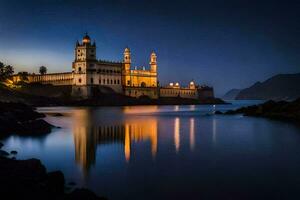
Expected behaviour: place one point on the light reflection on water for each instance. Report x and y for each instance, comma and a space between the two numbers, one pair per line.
164, 152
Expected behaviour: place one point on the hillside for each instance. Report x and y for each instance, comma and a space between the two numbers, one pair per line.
279, 87
231, 94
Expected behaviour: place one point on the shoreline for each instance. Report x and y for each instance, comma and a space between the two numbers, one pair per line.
29, 178
281, 110
64, 99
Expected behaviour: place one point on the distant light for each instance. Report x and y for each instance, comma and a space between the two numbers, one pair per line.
191, 83
171, 84
177, 84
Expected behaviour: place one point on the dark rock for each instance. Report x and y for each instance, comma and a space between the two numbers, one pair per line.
28, 179
72, 183
282, 110
36, 127
13, 158
218, 112
18, 118
82, 193
56, 182
14, 152
1, 145
3, 153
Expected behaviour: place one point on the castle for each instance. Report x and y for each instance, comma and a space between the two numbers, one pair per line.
91, 77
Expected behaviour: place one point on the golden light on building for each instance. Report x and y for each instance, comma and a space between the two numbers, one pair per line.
171, 84
177, 134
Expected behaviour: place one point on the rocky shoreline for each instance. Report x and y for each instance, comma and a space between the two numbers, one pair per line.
21, 119
29, 179
282, 110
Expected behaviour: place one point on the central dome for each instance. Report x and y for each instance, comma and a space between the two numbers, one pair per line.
86, 39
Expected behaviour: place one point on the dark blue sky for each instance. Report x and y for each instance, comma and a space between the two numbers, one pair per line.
225, 44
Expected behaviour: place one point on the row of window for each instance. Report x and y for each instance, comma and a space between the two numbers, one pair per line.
104, 81
178, 92
108, 71
92, 50
103, 71
78, 55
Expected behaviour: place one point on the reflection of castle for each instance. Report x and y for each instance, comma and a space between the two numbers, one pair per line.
91, 76
87, 137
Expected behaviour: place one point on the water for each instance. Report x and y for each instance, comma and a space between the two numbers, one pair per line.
169, 152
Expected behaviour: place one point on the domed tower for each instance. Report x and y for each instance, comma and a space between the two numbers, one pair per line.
127, 59
85, 60
153, 62
85, 51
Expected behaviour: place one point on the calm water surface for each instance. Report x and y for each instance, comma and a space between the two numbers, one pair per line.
169, 152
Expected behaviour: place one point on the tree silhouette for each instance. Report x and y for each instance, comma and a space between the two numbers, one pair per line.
43, 70
5, 71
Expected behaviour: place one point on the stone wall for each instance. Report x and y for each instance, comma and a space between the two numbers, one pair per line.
178, 92
54, 78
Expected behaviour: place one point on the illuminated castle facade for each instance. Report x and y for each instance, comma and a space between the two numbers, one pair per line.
91, 77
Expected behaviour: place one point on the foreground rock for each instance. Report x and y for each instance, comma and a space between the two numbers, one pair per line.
18, 118
28, 179
288, 111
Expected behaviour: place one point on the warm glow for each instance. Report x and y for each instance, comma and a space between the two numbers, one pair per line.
85, 40
171, 84
142, 130
87, 138
140, 109
177, 84
177, 134
127, 142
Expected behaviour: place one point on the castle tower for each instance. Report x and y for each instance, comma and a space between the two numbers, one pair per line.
86, 51
85, 59
153, 62
127, 59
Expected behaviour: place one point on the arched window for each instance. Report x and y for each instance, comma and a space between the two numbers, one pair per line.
118, 81
79, 69
143, 84
92, 81
79, 80
115, 82
111, 81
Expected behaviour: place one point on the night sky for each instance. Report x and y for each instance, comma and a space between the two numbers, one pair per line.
225, 44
